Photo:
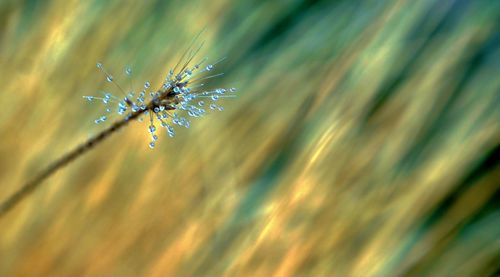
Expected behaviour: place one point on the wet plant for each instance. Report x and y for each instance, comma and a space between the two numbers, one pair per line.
182, 95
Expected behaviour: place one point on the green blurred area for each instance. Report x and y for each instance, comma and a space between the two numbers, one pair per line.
363, 140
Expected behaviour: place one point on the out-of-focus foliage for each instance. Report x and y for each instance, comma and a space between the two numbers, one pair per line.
362, 142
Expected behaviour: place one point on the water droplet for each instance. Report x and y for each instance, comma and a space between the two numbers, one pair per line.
232, 89
215, 97
152, 145
209, 67
216, 107
99, 65
109, 78
128, 71
147, 85
170, 131
201, 103
154, 137
152, 128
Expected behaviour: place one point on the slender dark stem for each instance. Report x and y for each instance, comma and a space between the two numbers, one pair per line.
31, 185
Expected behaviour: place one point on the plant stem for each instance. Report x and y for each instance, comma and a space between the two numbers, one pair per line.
64, 160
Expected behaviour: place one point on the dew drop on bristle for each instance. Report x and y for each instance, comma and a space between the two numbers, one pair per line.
170, 131
109, 78
216, 107
152, 145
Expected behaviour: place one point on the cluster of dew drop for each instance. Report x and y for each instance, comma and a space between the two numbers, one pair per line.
180, 92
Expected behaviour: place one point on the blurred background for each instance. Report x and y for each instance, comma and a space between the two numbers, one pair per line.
362, 141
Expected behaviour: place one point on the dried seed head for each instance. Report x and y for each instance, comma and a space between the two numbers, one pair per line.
180, 92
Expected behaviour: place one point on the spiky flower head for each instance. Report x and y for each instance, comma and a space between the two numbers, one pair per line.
181, 90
